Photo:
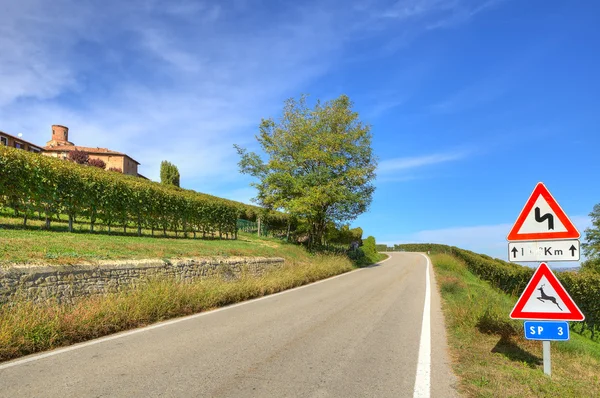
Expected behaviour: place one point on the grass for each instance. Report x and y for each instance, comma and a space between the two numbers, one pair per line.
490, 354
27, 328
20, 246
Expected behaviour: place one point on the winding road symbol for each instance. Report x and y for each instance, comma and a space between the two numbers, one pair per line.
548, 216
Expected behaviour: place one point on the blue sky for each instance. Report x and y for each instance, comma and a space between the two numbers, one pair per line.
471, 102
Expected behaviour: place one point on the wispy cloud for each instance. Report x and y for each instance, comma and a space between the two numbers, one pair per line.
409, 163
436, 13
181, 80
472, 96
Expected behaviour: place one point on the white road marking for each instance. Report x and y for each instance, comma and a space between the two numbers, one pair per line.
37, 357
423, 377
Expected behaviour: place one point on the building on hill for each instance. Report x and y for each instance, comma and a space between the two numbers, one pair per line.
59, 146
18, 142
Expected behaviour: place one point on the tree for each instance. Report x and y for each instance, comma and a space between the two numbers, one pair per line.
97, 163
79, 157
591, 248
320, 164
169, 174
116, 169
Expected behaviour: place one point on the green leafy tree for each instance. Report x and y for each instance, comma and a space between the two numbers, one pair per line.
320, 165
169, 174
591, 248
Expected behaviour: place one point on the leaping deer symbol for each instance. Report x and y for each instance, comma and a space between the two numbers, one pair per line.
544, 296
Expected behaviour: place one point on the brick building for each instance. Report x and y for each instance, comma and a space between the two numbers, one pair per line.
60, 146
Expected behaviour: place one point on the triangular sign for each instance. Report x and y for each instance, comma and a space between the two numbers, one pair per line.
542, 219
545, 298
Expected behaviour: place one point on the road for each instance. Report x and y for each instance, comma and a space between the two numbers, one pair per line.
361, 334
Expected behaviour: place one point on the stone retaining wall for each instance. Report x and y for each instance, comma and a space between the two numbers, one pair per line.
66, 283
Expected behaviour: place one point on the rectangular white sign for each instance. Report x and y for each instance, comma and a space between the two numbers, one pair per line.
543, 251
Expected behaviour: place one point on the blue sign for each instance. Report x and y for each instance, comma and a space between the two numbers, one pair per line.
539, 330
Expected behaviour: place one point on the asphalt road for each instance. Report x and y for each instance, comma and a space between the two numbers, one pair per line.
356, 335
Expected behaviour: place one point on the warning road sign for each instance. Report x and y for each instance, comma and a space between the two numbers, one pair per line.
545, 298
542, 219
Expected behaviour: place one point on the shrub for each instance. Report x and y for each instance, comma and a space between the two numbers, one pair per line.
79, 157
97, 163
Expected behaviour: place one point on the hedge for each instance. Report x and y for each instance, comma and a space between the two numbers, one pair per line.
584, 287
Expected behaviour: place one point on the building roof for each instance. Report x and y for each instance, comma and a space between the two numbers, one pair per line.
93, 151
19, 139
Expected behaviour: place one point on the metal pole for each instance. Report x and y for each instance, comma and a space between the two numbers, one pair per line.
546, 353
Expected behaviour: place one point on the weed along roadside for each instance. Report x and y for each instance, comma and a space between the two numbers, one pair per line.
490, 353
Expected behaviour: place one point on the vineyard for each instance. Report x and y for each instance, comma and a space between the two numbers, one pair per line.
39, 186
512, 278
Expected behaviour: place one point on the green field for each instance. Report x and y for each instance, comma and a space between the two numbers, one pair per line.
32, 245
489, 352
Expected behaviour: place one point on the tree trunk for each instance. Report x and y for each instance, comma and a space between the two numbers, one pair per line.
25, 219
70, 223
259, 225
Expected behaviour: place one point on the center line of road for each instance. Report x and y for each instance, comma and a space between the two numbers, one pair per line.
423, 377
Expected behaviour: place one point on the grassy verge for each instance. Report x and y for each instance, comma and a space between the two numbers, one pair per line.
26, 328
490, 354
18, 246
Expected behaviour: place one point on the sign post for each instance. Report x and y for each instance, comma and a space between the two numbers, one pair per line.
544, 233
546, 355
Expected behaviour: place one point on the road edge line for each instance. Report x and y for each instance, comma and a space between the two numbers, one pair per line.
423, 376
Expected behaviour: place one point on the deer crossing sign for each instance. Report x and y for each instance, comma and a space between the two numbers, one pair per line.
545, 298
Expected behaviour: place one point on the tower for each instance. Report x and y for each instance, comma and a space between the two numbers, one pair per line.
60, 136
